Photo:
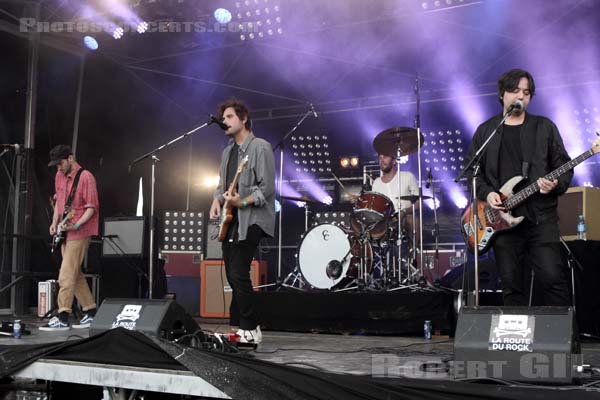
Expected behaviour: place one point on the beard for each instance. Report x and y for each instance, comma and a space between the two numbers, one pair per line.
387, 168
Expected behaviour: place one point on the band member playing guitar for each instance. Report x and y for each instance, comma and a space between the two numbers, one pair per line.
252, 206
76, 215
529, 146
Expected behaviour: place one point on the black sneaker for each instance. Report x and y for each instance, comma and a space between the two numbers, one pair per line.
55, 324
85, 322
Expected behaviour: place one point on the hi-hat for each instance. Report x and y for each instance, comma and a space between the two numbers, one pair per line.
392, 139
303, 199
414, 197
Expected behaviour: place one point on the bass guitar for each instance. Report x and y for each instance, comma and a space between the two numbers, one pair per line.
227, 212
491, 222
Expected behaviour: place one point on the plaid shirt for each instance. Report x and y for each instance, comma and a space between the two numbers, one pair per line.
86, 196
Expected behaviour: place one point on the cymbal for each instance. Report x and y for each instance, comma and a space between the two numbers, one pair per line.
414, 197
303, 199
400, 137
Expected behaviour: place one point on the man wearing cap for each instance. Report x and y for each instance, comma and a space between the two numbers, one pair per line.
79, 229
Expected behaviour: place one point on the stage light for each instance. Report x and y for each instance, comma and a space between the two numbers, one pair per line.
222, 15
354, 162
90, 43
118, 33
327, 200
210, 181
460, 201
142, 27
310, 154
344, 162
433, 205
183, 231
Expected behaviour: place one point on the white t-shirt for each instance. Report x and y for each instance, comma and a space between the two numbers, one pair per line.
408, 186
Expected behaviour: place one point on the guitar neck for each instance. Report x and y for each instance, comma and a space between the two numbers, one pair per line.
533, 188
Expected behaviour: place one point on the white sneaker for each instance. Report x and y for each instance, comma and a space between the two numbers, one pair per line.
253, 336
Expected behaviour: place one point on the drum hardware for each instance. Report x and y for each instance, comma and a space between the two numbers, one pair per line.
405, 141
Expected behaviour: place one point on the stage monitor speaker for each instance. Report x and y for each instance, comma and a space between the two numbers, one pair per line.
579, 201
536, 344
123, 237
157, 317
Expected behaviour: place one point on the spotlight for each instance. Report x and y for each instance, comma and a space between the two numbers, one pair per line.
118, 33
222, 15
460, 201
354, 162
210, 181
344, 162
142, 27
327, 200
90, 43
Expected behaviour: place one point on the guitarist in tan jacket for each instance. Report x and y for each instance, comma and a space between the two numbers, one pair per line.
530, 146
245, 198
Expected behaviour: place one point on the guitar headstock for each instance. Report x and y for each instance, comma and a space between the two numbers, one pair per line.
596, 145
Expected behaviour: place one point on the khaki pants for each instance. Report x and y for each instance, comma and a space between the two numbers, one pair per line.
71, 280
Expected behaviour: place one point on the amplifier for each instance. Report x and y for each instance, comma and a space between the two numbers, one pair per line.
577, 201
215, 292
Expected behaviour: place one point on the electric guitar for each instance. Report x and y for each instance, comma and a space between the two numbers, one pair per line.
491, 222
60, 235
227, 211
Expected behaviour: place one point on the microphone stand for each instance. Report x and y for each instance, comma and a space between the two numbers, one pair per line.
280, 146
152, 154
475, 166
436, 230
422, 281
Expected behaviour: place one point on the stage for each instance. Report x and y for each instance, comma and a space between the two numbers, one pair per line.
287, 365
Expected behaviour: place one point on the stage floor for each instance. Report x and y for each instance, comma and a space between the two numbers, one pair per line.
383, 356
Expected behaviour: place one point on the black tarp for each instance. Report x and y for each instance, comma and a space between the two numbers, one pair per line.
243, 377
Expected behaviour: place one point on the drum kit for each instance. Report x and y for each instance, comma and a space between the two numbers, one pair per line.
378, 251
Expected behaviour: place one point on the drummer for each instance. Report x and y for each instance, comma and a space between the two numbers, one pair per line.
387, 183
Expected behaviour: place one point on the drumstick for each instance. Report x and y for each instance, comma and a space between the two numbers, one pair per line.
341, 184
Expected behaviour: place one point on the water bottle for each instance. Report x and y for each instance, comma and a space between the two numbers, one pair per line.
581, 235
17, 329
427, 330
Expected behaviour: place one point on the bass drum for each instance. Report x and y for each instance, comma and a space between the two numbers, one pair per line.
328, 254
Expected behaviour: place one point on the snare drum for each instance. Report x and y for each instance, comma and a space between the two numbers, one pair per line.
328, 254
371, 213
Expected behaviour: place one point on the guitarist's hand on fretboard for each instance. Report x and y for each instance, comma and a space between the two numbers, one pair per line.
234, 200
495, 201
546, 186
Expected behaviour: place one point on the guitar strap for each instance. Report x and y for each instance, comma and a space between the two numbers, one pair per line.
73, 189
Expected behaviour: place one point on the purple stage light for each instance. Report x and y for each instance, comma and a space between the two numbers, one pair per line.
222, 15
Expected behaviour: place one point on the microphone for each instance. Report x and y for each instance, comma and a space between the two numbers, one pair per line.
312, 108
516, 105
10, 146
429, 179
214, 120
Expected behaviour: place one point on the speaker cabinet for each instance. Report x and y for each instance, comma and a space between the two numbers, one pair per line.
537, 344
215, 292
577, 201
157, 317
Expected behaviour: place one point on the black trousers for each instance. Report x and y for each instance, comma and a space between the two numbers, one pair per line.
238, 256
537, 246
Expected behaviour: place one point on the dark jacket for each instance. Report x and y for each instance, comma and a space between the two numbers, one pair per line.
544, 151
